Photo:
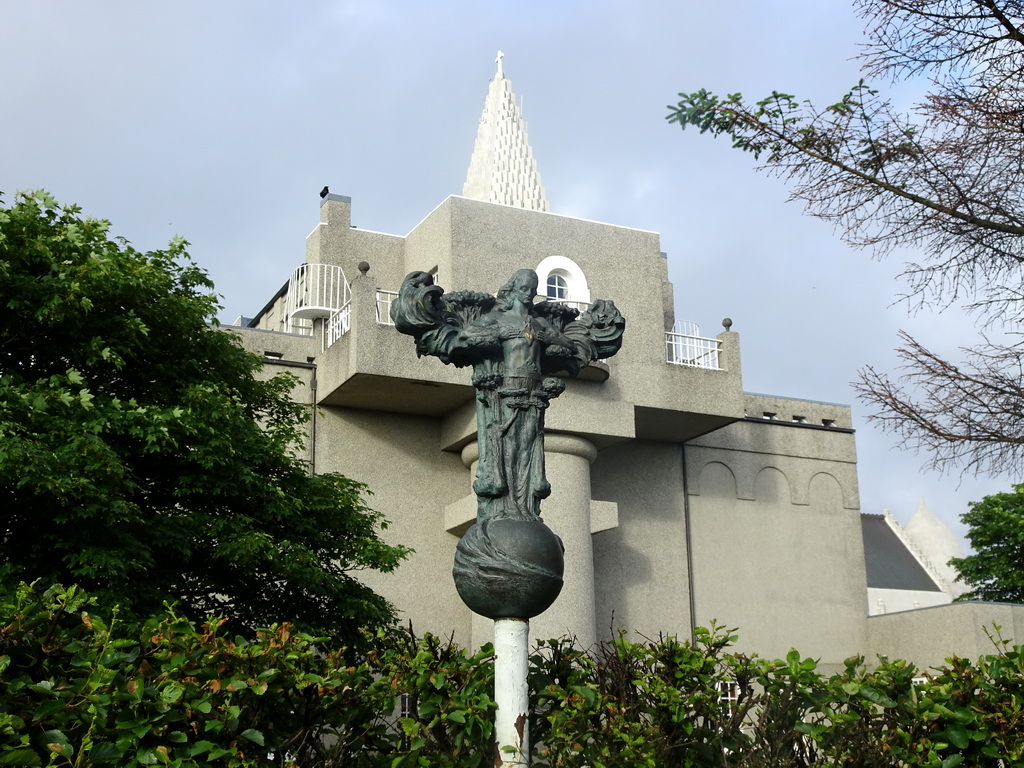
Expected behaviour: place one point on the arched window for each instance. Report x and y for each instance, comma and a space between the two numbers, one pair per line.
564, 281
557, 287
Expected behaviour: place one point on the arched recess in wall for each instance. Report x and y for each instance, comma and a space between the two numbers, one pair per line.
717, 480
772, 487
825, 493
561, 279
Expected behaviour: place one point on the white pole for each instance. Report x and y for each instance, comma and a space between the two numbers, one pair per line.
512, 720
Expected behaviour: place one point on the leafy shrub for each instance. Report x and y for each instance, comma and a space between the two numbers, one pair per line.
73, 693
76, 691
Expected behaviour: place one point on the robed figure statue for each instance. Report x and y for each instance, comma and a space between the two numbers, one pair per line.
508, 564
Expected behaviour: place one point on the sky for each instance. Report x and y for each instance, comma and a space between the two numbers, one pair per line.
221, 121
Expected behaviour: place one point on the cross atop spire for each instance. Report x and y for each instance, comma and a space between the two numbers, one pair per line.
503, 169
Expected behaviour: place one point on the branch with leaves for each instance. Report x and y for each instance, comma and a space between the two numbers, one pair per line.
944, 180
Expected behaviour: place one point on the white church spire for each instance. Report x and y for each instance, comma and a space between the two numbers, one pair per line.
502, 169
937, 543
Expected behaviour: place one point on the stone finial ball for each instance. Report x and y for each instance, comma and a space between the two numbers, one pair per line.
727, 323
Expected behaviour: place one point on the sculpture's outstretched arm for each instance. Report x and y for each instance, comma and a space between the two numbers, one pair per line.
595, 334
445, 325
417, 309
605, 326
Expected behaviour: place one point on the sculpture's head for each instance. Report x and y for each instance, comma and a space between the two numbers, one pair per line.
522, 287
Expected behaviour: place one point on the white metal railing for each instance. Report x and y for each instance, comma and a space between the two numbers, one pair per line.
384, 299
338, 324
317, 290
300, 325
693, 351
582, 306
686, 328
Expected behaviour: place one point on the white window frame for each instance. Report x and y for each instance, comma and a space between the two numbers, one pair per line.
558, 285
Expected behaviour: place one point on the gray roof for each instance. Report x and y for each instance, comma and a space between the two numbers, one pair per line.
889, 564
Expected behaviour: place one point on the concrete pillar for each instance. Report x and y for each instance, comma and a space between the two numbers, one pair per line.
481, 629
566, 511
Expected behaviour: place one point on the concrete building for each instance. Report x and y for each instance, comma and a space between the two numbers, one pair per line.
680, 498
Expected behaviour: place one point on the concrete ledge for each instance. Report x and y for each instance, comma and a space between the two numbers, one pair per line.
460, 515
929, 636
604, 515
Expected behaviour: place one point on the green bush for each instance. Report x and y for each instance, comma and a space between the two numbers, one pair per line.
75, 690
665, 703
74, 693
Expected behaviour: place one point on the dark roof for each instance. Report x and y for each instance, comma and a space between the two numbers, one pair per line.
889, 564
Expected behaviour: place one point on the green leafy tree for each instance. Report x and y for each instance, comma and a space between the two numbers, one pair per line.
996, 531
945, 178
145, 457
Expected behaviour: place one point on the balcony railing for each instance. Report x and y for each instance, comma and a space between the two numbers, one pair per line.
692, 351
582, 306
384, 299
317, 290
338, 324
686, 349
300, 325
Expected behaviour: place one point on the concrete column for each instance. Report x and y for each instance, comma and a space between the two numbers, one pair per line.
566, 511
481, 629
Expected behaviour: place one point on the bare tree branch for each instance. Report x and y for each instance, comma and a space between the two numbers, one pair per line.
969, 415
945, 179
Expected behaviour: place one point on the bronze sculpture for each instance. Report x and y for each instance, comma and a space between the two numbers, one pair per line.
508, 564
